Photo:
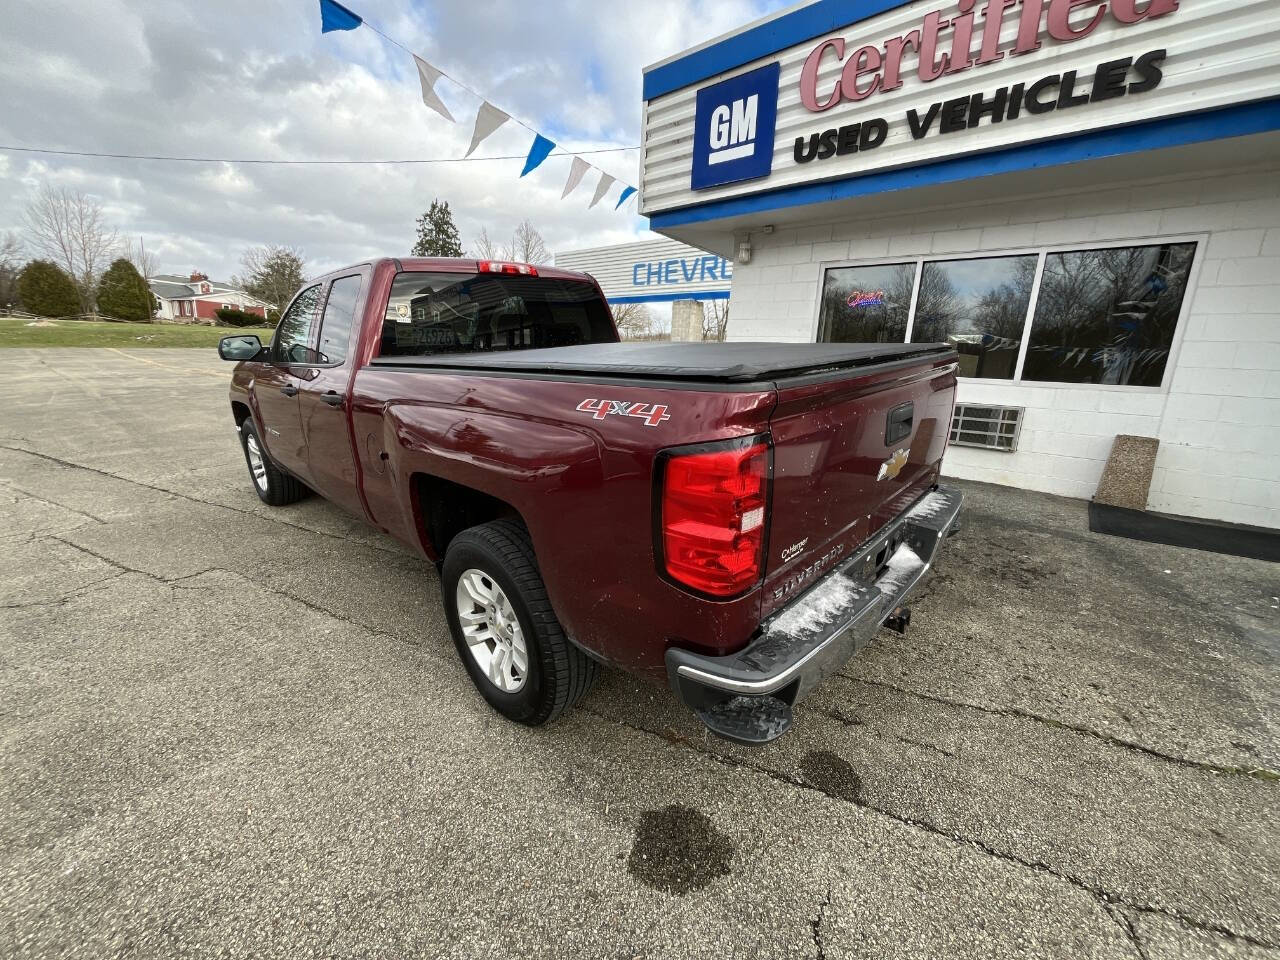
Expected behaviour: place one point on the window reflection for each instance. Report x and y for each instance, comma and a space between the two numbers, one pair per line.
294, 328
979, 307
339, 317
438, 313
866, 304
1108, 316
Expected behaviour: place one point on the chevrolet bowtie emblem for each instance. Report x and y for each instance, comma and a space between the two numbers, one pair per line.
893, 466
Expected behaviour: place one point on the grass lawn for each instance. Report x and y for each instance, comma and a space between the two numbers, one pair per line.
83, 333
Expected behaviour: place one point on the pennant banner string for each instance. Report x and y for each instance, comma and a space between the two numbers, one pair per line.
335, 16
274, 161
576, 172
489, 119
540, 150
602, 188
429, 75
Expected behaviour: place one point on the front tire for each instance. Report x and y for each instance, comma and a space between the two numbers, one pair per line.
507, 635
273, 485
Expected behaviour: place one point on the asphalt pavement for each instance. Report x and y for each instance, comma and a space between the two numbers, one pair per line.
233, 730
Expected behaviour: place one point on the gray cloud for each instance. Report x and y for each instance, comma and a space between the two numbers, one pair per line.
257, 79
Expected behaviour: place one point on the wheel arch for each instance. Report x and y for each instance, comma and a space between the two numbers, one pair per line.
443, 508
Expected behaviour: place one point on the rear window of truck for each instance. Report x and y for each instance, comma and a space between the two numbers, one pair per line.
447, 313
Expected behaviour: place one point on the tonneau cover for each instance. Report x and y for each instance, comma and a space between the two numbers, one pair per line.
722, 362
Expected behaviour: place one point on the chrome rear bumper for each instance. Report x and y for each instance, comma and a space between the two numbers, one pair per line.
814, 635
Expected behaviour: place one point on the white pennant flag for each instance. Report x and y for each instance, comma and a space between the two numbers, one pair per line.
602, 188
429, 75
576, 173
489, 119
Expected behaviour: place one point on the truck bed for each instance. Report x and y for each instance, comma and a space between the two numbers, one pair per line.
703, 362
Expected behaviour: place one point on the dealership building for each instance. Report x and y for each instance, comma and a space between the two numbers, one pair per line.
1082, 196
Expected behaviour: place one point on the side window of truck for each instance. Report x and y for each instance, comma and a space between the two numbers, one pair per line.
290, 343
339, 316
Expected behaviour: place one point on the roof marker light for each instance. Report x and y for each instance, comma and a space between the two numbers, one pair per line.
512, 269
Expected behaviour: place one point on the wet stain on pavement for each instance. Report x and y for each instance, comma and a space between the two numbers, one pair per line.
1012, 564
678, 849
831, 774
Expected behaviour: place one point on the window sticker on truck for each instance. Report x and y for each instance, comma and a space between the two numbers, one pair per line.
651, 413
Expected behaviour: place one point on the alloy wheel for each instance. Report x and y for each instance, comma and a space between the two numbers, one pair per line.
257, 466
492, 631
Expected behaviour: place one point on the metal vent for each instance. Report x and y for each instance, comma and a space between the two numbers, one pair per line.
992, 428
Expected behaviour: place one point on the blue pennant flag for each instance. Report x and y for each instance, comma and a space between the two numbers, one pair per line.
537, 153
334, 16
625, 195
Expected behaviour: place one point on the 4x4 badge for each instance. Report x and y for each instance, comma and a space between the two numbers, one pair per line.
651, 413
893, 466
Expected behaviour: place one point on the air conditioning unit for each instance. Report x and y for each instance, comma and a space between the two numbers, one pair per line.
992, 428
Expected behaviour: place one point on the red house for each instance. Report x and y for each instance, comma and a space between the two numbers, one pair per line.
196, 298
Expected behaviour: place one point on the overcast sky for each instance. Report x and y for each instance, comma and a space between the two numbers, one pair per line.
256, 78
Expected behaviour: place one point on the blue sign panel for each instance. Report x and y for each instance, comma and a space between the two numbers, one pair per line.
733, 129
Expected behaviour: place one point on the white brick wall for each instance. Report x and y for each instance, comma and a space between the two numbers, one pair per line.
1218, 422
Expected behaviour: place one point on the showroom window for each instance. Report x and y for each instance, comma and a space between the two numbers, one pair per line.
1108, 315
867, 304
980, 306
1102, 315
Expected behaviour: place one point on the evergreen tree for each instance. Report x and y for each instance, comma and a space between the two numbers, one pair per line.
437, 233
47, 290
123, 294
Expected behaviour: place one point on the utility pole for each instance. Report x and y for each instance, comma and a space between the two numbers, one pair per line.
146, 287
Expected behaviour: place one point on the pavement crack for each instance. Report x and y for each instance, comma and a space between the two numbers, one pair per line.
1125, 923
177, 583
1257, 773
53, 503
924, 746
64, 598
816, 924
186, 496
105, 559
847, 721
303, 601
1103, 896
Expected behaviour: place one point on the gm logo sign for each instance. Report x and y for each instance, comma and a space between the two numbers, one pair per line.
733, 129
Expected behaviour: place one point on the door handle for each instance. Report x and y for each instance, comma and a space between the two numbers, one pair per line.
332, 399
289, 390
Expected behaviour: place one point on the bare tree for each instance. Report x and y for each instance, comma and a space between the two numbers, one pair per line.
69, 228
272, 273
10, 258
147, 266
527, 245
715, 319
143, 261
486, 248
633, 320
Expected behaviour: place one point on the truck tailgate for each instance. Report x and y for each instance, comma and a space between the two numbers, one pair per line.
852, 451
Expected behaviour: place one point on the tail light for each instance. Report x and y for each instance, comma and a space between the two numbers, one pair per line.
511, 269
712, 516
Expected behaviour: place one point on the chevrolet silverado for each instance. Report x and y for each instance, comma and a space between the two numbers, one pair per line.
733, 519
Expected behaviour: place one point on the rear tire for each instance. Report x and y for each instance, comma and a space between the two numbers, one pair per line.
273, 485
490, 572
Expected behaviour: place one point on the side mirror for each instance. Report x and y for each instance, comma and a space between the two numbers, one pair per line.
239, 348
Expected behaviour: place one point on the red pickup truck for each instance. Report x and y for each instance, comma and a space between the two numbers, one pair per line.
734, 519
